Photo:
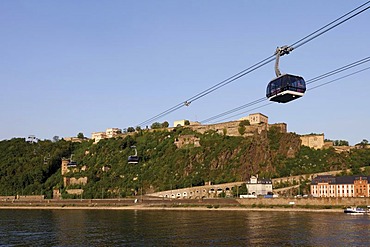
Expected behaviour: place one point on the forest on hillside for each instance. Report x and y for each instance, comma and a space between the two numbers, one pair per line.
34, 168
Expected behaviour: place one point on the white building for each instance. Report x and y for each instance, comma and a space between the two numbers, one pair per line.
109, 133
258, 186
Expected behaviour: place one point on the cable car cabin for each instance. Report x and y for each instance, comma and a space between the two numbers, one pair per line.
286, 88
72, 164
132, 159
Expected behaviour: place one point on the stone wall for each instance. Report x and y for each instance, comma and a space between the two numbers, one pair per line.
74, 181
313, 141
328, 201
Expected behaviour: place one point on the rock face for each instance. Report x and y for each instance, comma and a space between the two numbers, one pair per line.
243, 157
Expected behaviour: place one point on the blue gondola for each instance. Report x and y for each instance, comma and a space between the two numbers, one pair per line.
72, 163
286, 87
133, 159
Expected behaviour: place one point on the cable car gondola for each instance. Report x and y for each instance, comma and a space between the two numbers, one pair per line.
72, 163
133, 159
285, 88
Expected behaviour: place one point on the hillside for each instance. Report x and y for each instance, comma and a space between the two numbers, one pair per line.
34, 168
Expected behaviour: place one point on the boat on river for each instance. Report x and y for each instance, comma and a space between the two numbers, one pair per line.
355, 211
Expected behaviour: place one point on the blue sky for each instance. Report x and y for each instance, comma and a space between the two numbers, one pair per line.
84, 66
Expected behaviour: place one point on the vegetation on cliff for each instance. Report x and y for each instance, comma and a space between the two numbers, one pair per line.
34, 168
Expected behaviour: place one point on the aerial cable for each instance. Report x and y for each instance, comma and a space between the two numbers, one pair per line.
337, 79
234, 110
307, 38
241, 113
313, 80
336, 71
213, 88
263, 62
320, 85
233, 78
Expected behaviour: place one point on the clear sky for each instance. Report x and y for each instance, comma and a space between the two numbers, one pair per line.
84, 66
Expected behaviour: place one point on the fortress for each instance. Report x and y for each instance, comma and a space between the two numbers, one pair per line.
250, 125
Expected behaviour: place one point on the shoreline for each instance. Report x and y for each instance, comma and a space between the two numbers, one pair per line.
177, 208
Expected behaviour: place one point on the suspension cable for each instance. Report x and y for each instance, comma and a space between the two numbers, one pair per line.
313, 80
263, 62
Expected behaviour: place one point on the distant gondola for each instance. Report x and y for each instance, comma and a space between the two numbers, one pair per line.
133, 159
72, 163
286, 87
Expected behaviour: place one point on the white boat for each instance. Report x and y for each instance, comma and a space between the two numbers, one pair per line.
355, 211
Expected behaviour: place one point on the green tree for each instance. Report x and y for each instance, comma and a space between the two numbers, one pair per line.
156, 125
244, 123
165, 124
340, 143
80, 135
241, 130
130, 129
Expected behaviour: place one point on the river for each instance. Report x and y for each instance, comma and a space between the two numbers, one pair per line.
180, 228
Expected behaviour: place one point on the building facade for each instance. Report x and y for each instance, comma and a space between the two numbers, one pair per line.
315, 141
346, 186
256, 186
109, 133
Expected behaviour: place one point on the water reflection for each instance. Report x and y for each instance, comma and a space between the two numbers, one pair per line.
180, 228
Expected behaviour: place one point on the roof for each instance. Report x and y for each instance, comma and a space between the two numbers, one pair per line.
338, 180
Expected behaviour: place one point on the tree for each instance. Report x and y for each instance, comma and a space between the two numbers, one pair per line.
187, 122
80, 135
340, 143
241, 130
156, 125
56, 138
364, 143
244, 123
138, 128
165, 124
130, 129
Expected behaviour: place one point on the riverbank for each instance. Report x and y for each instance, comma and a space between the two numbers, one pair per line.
174, 208
221, 204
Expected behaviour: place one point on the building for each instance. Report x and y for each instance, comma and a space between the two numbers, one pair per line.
97, 136
346, 186
256, 118
109, 133
112, 132
256, 186
183, 122
66, 168
315, 141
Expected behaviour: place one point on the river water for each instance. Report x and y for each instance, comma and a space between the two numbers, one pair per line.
180, 228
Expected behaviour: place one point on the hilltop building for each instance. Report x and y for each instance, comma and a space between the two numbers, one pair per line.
256, 118
183, 122
257, 123
109, 133
315, 141
346, 186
